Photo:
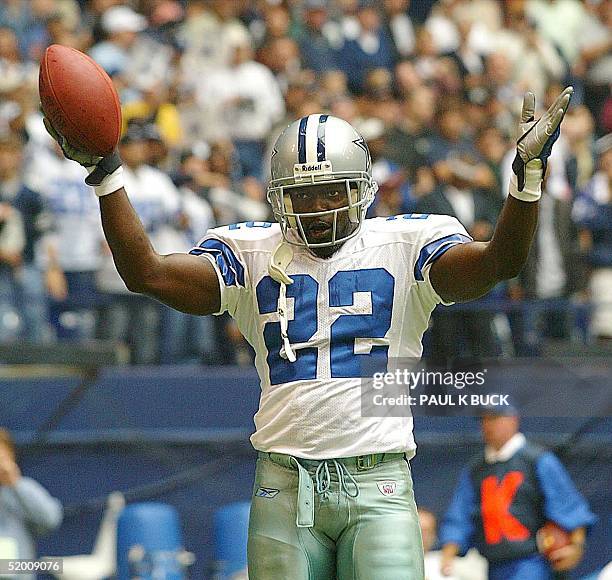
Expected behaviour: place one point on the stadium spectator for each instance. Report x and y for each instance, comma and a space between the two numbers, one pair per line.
14, 69
157, 149
492, 148
406, 79
395, 193
334, 87
276, 24
377, 99
242, 101
27, 511
318, 42
484, 18
399, 28
471, 567
592, 213
127, 317
468, 59
426, 57
442, 26
409, 139
12, 241
184, 338
560, 23
34, 277
15, 15
156, 107
18, 79
282, 57
499, 80
594, 62
371, 49
121, 26
204, 38
534, 59
553, 273
228, 193
30, 18
144, 62
77, 234
504, 496
453, 153
456, 332
579, 135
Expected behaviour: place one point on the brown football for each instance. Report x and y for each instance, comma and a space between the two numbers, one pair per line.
550, 537
80, 100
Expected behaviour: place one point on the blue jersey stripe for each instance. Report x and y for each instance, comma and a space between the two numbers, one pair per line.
302, 140
321, 138
232, 271
432, 251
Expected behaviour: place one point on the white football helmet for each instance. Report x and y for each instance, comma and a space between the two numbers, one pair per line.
314, 150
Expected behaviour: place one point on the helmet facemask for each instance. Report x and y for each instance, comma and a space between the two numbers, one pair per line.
358, 191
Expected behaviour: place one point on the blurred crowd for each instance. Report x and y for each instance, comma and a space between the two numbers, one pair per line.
435, 87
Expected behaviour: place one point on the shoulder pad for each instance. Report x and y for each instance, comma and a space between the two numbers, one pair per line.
249, 235
414, 223
406, 221
247, 230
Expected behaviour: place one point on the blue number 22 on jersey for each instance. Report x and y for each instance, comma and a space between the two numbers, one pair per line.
344, 362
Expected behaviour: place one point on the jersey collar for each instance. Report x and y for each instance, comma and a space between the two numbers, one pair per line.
507, 451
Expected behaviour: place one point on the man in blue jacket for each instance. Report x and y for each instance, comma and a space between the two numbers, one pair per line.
504, 496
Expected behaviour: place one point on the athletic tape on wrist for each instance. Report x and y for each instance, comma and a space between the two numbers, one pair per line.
533, 182
110, 183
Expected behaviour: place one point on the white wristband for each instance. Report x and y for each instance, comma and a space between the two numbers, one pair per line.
110, 183
533, 182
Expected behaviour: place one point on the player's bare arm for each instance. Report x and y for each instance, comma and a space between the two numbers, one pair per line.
86, 124
182, 281
467, 271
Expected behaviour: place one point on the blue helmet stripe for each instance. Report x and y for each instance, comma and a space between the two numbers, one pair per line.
321, 138
302, 140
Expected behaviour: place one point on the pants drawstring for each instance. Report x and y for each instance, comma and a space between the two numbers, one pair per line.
323, 479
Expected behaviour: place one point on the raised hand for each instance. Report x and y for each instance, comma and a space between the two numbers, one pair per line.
98, 167
537, 137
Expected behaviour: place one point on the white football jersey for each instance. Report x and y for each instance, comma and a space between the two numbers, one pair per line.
371, 299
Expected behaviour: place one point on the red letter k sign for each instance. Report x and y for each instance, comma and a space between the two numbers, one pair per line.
496, 498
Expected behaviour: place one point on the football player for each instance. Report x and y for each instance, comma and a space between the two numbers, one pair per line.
318, 294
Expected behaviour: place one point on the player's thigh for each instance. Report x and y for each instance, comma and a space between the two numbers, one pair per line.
384, 539
277, 548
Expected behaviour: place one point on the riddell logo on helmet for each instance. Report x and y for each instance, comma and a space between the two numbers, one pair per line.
322, 167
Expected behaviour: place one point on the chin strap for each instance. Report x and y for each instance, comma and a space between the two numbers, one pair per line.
280, 260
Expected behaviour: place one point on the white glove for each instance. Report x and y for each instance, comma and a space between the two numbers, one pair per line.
534, 145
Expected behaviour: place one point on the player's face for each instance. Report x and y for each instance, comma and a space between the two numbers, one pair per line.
322, 198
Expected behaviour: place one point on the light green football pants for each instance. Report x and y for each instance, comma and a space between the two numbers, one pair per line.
346, 519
